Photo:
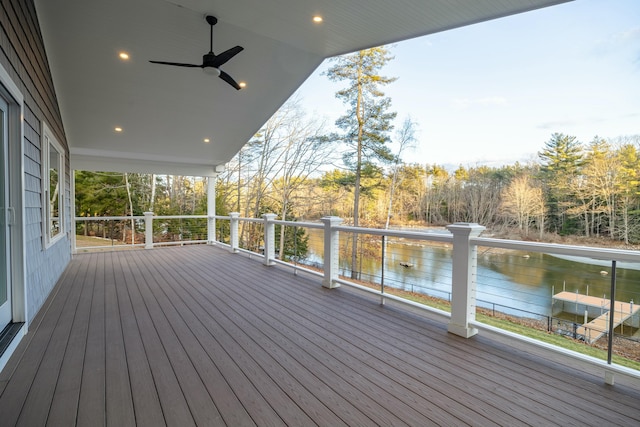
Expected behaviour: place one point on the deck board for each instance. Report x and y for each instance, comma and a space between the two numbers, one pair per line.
21, 376
172, 399
119, 402
144, 394
64, 405
91, 408
198, 336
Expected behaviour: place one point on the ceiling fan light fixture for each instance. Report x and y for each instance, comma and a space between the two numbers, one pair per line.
212, 71
210, 61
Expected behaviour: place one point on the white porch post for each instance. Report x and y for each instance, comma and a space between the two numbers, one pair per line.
269, 238
148, 230
211, 209
331, 251
233, 231
463, 278
72, 209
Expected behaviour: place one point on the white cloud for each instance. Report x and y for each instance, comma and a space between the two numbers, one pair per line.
626, 36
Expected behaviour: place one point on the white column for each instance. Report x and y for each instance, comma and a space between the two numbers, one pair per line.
72, 209
269, 238
211, 209
331, 251
233, 231
148, 230
463, 278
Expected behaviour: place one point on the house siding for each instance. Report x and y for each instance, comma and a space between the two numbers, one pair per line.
23, 55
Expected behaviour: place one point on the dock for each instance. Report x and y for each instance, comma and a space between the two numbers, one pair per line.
599, 326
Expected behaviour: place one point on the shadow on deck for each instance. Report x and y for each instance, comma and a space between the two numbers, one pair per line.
196, 335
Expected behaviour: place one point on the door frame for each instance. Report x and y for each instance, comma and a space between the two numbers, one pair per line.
15, 122
6, 307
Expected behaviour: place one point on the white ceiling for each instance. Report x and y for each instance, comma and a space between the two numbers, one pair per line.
166, 112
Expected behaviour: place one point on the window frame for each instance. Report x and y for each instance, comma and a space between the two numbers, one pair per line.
50, 145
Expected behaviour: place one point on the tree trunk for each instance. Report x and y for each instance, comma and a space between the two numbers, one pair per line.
356, 196
133, 223
283, 216
152, 202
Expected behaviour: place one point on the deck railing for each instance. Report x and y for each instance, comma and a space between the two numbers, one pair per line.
451, 264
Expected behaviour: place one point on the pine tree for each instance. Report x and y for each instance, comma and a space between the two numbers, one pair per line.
561, 161
367, 122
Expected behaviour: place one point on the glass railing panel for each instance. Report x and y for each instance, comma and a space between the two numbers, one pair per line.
419, 270
560, 299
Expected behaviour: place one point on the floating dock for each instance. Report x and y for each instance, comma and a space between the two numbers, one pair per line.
599, 326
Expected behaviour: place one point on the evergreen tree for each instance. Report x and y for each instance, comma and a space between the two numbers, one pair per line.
561, 161
367, 122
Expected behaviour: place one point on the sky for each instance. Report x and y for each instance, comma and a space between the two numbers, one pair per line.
493, 93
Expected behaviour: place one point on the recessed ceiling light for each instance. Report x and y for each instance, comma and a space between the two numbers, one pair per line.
124, 56
242, 84
207, 140
317, 19
117, 129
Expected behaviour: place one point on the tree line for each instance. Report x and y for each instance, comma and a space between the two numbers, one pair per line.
573, 188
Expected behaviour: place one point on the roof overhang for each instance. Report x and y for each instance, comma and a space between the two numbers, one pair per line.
167, 112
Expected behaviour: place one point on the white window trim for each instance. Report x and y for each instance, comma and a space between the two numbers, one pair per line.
49, 139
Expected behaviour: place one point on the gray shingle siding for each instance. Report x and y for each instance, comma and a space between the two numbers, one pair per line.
23, 57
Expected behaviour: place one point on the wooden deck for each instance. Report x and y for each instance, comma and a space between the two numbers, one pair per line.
198, 336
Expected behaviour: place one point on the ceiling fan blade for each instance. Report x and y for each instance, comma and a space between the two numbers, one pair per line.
226, 55
227, 78
177, 64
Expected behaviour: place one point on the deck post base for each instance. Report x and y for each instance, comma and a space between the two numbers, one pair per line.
462, 331
609, 377
331, 251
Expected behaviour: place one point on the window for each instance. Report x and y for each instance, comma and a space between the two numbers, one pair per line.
53, 187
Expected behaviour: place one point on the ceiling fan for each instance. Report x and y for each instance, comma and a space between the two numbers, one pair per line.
210, 61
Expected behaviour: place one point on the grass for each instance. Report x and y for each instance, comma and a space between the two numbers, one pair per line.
557, 340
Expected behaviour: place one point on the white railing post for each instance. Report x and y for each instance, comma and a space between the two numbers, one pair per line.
463, 278
269, 239
72, 184
211, 209
331, 251
233, 231
148, 230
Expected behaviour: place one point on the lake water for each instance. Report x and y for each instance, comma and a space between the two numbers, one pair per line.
516, 280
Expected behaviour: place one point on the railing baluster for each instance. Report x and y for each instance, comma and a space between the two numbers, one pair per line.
609, 375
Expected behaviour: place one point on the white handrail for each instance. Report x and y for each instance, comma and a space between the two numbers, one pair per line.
107, 218
553, 248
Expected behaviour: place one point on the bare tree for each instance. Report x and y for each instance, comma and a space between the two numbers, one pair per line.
522, 203
406, 137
